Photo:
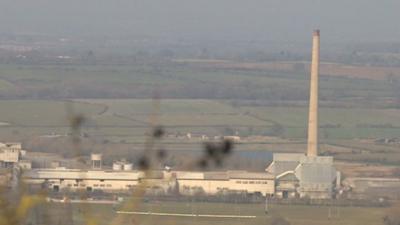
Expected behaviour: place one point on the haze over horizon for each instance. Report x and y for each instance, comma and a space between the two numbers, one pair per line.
231, 20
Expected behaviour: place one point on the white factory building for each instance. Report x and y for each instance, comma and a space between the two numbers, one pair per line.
185, 182
122, 178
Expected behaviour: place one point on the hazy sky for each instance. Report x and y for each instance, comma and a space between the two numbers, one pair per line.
288, 20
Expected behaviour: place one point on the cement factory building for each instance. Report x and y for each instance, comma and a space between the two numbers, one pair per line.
310, 175
155, 182
289, 175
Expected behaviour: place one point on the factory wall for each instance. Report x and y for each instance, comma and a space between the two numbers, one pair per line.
189, 187
186, 182
104, 185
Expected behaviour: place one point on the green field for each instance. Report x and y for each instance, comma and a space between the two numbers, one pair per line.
296, 215
116, 102
335, 123
172, 80
115, 119
44, 125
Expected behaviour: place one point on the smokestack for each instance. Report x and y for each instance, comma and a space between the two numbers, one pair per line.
313, 111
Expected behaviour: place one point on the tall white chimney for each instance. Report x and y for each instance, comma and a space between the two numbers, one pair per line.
313, 111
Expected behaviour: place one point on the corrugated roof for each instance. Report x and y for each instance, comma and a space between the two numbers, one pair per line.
279, 167
251, 175
216, 176
188, 175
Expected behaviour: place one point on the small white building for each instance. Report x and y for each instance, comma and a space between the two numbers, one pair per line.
122, 165
9, 154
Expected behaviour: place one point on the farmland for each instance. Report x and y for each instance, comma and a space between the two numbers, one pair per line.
131, 117
177, 80
267, 107
210, 117
332, 69
114, 126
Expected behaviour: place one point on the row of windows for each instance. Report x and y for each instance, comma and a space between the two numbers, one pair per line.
102, 185
84, 185
76, 180
251, 182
